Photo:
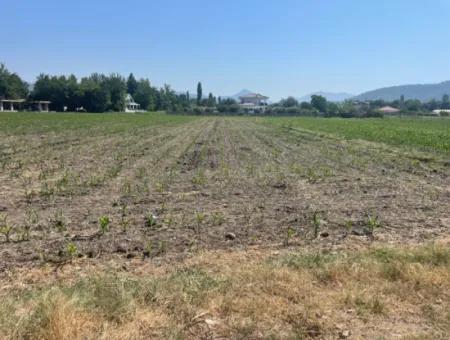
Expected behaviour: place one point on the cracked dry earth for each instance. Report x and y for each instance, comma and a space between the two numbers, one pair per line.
209, 183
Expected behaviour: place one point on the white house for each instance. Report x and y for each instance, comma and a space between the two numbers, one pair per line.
131, 105
388, 110
253, 101
440, 111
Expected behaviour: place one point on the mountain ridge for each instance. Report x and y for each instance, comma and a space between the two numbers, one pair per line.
423, 92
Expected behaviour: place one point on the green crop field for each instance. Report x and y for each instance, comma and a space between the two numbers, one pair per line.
429, 134
163, 226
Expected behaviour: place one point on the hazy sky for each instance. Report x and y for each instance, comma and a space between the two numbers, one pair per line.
277, 47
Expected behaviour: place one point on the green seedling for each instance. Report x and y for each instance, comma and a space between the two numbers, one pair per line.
316, 224
32, 220
373, 223
217, 218
290, 233
348, 225
159, 187
150, 220
148, 249
5, 229
124, 222
71, 250
104, 222
28, 191
199, 218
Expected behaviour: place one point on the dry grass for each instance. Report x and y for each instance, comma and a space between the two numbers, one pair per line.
374, 293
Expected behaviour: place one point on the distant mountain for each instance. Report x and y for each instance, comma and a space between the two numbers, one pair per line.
239, 94
331, 96
423, 92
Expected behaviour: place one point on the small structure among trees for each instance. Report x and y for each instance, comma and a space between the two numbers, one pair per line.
388, 110
253, 102
40, 105
131, 105
8, 104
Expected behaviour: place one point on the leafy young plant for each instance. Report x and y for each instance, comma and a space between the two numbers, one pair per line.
71, 249
199, 218
32, 220
148, 248
373, 223
28, 191
5, 229
104, 222
124, 222
316, 224
159, 187
218, 218
150, 220
290, 233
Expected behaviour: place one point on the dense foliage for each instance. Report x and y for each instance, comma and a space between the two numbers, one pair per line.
95, 93
11, 86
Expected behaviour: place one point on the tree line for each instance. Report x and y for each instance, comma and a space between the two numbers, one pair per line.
319, 105
95, 93
103, 93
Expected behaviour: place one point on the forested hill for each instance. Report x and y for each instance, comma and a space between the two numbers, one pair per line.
423, 92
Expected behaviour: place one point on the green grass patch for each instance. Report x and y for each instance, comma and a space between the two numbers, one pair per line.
425, 134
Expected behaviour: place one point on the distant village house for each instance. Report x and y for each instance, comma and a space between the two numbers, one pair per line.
131, 105
388, 110
441, 112
253, 102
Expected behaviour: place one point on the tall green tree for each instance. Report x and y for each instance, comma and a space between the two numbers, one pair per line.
445, 102
145, 95
199, 93
211, 100
117, 88
319, 103
11, 85
52, 88
95, 96
132, 84
289, 102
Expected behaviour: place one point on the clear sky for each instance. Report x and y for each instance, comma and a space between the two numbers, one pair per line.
277, 47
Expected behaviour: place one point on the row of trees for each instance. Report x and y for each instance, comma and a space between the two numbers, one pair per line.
320, 106
101, 93
96, 93
11, 86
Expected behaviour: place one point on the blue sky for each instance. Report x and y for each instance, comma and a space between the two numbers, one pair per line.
279, 48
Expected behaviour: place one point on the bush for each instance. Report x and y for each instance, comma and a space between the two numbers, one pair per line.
197, 110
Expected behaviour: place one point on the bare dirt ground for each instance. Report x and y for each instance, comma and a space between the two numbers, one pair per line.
210, 184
